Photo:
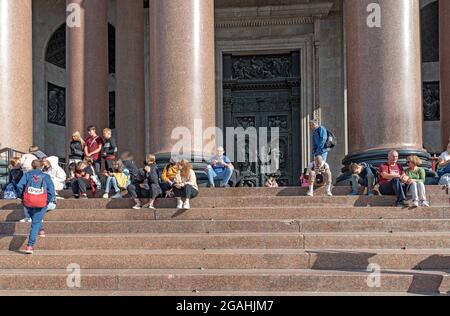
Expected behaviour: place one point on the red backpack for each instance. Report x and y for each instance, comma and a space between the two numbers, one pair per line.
35, 194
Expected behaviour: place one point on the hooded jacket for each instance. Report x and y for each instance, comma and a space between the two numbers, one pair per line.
56, 173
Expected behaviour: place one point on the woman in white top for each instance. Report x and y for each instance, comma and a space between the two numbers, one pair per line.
185, 186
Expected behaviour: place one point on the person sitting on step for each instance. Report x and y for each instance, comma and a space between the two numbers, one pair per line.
444, 163
83, 180
362, 175
185, 186
56, 173
119, 179
416, 183
168, 175
220, 168
320, 174
392, 179
146, 185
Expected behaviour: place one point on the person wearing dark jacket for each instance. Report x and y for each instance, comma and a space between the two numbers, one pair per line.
146, 185
35, 179
109, 150
76, 151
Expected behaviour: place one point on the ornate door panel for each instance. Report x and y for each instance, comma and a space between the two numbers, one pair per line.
264, 91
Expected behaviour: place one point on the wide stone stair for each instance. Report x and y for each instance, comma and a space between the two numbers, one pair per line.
241, 241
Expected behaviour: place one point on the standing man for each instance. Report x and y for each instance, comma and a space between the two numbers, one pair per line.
93, 148
220, 168
320, 138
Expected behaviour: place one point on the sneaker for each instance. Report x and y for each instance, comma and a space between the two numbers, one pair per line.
106, 196
29, 250
137, 207
354, 194
415, 204
42, 233
180, 204
84, 197
26, 220
402, 204
187, 205
117, 196
425, 204
151, 207
77, 196
329, 193
370, 193
310, 193
60, 198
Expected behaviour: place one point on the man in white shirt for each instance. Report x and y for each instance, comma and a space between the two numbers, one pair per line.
319, 169
444, 163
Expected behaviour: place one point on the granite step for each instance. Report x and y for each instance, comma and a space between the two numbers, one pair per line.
237, 226
243, 202
281, 259
300, 212
159, 241
262, 192
405, 281
398, 241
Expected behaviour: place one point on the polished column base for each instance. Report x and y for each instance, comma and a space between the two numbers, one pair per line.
378, 157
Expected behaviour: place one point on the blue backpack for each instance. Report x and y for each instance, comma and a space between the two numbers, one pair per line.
10, 192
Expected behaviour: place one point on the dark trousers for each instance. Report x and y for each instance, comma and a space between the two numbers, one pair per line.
97, 166
109, 165
135, 191
165, 186
80, 186
187, 192
394, 187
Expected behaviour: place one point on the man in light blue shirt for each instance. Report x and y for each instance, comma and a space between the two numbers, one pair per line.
320, 138
220, 168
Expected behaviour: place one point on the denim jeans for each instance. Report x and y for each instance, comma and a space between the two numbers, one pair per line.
224, 176
394, 187
418, 192
37, 215
368, 181
112, 182
26, 214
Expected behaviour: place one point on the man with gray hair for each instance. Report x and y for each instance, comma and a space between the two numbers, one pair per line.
220, 168
393, 179
320, 138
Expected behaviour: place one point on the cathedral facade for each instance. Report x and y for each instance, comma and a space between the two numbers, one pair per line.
374, 72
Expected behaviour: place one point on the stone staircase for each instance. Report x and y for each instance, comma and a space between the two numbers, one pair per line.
233, 242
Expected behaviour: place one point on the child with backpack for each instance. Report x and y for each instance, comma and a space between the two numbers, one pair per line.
37, 191
119, 179
15, 174
362, 175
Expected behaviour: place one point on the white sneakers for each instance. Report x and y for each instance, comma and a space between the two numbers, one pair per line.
415, 204
106, 196
183, 206
310, 192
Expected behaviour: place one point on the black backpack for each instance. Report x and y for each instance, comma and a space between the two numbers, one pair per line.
331, 140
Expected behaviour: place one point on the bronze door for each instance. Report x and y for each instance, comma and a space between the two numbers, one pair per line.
264, 91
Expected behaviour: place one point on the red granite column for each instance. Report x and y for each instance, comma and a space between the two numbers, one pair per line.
16, 80
182, 69
444, 31
130, 80
87, 68
384, 80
